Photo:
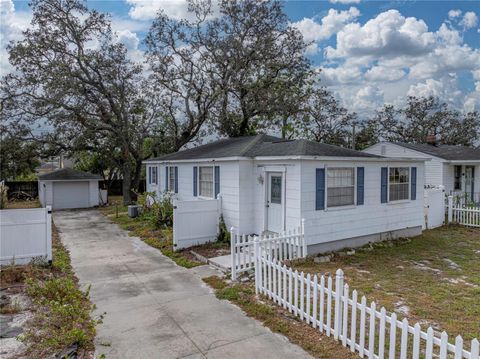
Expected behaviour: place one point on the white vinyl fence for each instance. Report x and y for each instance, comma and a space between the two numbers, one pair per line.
25, 234
434, 202
286, 245
195, 222
467, 216
328, 305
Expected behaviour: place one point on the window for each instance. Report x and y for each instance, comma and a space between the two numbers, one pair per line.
171, 179
457, 172
398, 181
205, 180
340, 187
152, 175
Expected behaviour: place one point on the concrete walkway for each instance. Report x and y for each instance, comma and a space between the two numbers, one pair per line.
154, 308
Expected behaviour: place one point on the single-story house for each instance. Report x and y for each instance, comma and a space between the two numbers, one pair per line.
457, 168
68, 188
268, 184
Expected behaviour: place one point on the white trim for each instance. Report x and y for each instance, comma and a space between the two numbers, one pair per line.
266, 187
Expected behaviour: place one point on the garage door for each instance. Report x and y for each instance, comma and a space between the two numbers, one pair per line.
70, 194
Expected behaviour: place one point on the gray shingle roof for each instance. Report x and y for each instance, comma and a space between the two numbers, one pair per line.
65, 174
447, 152
260, 146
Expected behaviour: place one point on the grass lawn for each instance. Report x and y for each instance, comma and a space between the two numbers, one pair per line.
22, 204
61, 314
160, 238
433, 279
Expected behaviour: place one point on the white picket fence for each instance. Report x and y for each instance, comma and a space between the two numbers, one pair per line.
467, 216
286, 245
361, 328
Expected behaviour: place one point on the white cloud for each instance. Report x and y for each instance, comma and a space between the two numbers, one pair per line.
12, 23
383, 73
470, 20
345, 1
453, 14
329, 25
147, 9
367, 98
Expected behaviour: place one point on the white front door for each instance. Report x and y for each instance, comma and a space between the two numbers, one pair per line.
469, 178
275, 202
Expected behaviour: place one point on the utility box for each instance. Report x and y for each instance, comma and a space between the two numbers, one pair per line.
133, 211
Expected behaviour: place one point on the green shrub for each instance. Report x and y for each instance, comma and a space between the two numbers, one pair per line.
160, 212
223, 233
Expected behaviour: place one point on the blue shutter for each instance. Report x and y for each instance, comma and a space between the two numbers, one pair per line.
414, 184
195, 188
360, 185
320, 189
166, 178
176, 179
384, 185
149, 174
217, 180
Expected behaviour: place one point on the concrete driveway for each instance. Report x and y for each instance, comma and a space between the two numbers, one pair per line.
154, 308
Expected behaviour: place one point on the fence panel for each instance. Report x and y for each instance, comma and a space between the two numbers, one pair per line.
434, 208
195, 222
25, 234
379, 333
282, 246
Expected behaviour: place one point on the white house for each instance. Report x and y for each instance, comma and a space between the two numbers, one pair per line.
457, 168
68, 188
346, 197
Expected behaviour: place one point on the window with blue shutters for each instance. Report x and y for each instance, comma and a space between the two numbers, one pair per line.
384, 185
217, 180
171, 179
413, 190
360, 185
320, 189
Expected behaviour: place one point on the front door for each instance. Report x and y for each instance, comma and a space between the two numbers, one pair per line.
275, 202
469, 181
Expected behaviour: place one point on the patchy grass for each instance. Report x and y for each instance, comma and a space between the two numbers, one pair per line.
433, 279
61, 311
278, 319
160, 238
22, 204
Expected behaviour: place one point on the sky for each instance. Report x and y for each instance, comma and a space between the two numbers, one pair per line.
369, 52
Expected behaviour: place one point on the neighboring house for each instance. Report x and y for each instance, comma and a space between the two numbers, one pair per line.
267, 184
68, 188
457, 168
53, 164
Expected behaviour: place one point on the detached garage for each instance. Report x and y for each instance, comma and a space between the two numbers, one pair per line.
68, 188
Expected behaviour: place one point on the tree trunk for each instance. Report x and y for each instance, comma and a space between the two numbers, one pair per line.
127, 183
137, 175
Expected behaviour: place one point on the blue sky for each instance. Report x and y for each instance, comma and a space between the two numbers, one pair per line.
370, 52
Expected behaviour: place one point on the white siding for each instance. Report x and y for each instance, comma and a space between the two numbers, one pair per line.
45, 192
371, 218
434, 175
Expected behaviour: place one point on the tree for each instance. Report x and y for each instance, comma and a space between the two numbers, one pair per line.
421, 117
74, 77
18, 158
323, 119
233, 70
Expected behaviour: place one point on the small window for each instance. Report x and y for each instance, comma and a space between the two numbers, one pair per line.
340, 187
457, 177
399, 183
152, 175
205, 181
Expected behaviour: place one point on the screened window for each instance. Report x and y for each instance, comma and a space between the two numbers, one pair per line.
152, 174
458, 177
340, 187
205, 181
398, 183
171, 179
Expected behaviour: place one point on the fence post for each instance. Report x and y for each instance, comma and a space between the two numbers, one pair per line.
338, 303
304, 243
450, 209
232, 250
256, 264
48, 233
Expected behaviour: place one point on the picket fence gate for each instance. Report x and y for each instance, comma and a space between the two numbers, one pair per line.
467, 216
360, 327
282, 246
